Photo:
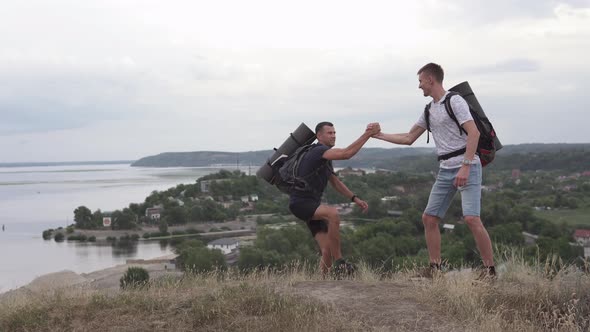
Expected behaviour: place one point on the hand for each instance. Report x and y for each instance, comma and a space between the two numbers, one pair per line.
462, 175
373, 128
361, 204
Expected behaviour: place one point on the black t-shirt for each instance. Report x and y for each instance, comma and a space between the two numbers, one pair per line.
310, 163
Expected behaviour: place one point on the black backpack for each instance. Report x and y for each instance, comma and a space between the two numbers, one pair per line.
486, 147
286, 170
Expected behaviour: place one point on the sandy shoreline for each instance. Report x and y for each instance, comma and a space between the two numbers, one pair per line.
105, 279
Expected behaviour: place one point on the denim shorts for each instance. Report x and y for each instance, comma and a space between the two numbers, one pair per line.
443, 191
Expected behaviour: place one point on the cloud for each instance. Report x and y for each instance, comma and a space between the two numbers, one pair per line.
45, 98
120, 80
519, 65
469, 14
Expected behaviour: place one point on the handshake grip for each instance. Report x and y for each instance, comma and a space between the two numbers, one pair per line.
374, 128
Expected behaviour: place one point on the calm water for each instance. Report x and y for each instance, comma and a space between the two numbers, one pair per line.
33, 199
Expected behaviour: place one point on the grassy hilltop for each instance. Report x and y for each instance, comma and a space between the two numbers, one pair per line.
545, 297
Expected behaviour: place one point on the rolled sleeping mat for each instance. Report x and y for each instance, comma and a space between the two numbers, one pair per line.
467, 93
301, 136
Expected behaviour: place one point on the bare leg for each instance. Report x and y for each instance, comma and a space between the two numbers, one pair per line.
482, 239
330, 215
324, 243
432, 234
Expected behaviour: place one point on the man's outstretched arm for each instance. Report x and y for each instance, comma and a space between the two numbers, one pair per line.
341, 188
404, 138
352, 149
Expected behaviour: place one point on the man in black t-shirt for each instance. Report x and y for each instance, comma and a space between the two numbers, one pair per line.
322, 220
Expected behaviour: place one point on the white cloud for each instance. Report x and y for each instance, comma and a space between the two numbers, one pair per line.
124, 79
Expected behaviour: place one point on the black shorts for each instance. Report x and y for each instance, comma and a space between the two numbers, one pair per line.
317, 226
304, 209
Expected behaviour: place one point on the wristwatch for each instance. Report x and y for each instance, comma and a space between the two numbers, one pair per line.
466, 162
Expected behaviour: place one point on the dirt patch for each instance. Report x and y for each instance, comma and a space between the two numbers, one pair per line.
389, 306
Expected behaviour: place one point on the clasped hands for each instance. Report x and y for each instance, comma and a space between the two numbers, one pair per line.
374, 128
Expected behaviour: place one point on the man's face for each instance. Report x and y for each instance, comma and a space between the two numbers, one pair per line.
426, 82
327, 136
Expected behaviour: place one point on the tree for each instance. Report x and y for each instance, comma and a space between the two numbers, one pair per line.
204, 260
163, 227
137, 208
212, 211
125, 219
196, 213
97, 218
507, 233
523, 214
560, 247
83, 217
194, 257
176, 215
275, 248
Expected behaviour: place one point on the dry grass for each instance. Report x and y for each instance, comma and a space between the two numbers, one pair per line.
544, 297
208, 302
524, 298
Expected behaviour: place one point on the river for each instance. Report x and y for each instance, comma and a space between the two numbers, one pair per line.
33, 199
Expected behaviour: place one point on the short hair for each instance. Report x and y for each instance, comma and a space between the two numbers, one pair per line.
433, 69
321, 125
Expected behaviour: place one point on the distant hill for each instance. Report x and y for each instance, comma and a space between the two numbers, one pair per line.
365, 157
525, 156
204, 159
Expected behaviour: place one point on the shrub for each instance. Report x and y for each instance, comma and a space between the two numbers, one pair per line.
146, 235
158, 234
77, 237
111, 238
70, 229
47, 234
92, 238
135, 277
193, 231
59, 237
163, 226
199, 260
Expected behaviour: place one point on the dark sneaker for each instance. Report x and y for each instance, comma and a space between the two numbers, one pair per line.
429, 272
343, 269
487, 274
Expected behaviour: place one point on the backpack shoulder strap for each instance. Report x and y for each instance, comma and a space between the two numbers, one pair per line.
450, 112
427, 119
325, 163
300, 153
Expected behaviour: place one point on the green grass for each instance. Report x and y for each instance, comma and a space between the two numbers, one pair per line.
570, 217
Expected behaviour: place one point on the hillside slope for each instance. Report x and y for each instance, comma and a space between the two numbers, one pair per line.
524, 298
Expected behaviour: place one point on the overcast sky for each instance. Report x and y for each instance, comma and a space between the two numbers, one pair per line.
124, 79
